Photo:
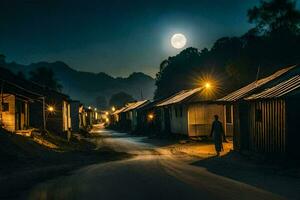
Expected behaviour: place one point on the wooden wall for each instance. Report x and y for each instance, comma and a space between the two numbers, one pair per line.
74, 110
201, 116
179, 122
8, 117
267, 126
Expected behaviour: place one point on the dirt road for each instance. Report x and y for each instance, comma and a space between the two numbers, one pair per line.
153, 172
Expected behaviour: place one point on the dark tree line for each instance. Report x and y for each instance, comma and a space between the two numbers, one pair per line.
234, 61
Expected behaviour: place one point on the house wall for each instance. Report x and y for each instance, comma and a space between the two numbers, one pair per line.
74, 113
36, 114
21, 114
54, 121
201, 116
66, 116
229, 120
267, 126
8, 117
178, 122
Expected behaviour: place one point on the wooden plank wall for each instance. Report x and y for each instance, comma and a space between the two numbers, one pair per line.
201, 117
8, 117
267, 135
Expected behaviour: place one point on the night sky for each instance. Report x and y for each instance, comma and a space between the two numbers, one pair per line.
116, 37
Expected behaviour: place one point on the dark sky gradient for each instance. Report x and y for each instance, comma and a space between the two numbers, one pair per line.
117, 37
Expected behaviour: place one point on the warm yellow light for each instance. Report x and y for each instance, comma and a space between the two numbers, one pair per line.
107, 120
113, 109
89, 107
106, 113
150, 116
50, 108
207, 85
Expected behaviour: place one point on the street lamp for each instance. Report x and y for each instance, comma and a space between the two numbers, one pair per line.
50, 109
113, 109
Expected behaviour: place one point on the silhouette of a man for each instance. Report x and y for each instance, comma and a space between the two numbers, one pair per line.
218, 134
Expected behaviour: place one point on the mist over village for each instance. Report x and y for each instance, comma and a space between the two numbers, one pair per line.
192, 99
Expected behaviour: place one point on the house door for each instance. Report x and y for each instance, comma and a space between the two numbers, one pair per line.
292, 128
244, 126
18, 114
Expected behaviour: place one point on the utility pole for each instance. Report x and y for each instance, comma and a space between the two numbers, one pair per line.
257, 74
44, 114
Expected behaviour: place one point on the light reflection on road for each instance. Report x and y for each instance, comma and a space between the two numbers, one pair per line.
153, 173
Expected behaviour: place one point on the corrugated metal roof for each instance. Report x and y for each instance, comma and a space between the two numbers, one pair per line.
179, 97
134, 105
244, 91
279, 90
118, 111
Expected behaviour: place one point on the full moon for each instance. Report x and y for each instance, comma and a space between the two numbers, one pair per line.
178, 40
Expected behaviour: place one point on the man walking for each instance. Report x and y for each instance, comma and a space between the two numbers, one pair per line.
218, 134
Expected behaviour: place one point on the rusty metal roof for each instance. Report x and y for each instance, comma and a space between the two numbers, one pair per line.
279, 90
244, 91
134, 105
179, 97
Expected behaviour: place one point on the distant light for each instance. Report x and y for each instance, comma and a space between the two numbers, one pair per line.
95, 109
50, 108
89, 107
113, 109
150, 117
107, 120
106, 113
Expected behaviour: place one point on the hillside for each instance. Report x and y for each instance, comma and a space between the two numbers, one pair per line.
86, 86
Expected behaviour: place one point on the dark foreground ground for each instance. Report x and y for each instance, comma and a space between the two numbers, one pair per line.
168, 170
25, 162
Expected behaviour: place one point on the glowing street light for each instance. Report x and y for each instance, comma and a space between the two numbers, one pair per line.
150, 117
207, 85
113, 109
50, 108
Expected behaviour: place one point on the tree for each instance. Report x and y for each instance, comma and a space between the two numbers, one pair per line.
275, 16
21, 75
45, 76
120, 99
101, 102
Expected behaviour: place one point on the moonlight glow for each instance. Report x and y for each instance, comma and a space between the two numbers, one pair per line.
178, 40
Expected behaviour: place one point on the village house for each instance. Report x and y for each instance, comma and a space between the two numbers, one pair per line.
55, 109
235, 102
74, 115
35, 106
15, 103
271, 125
129, 115
190, 112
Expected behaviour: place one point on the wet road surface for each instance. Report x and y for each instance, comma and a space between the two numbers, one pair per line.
152, 173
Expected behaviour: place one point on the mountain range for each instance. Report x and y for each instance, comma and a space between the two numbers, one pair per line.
86, 86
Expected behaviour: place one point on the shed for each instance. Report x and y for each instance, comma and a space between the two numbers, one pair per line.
129, 115
239, 108
273, 119
189, 112
15, 102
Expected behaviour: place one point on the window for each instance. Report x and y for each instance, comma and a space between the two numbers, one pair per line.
258, 115
5, 107
228, 114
